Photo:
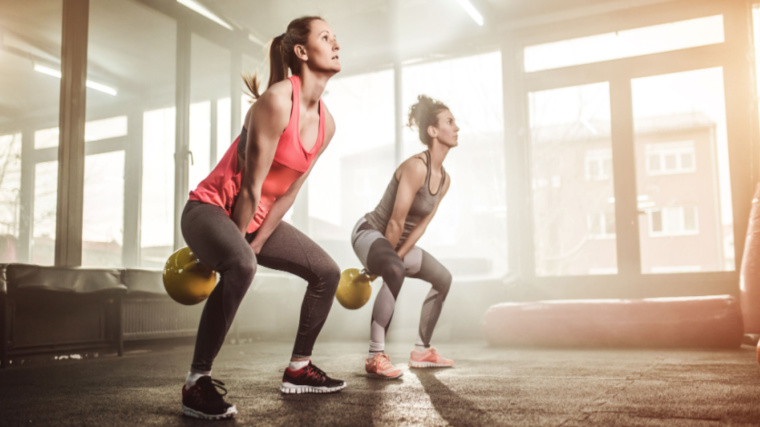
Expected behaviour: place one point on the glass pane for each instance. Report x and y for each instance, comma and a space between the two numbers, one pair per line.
260, 66
625, 44
687, 161
670, 162
96, 130
210, 82
10, 192
45, 200
470, 226
656, 221
245, 102
200, 142
680, 119
690, 219
350, 177
609, 223
570, 126
157, 216
139, 63
46, 138
103, 211
30, 38
653, 165
756, 37
223, 135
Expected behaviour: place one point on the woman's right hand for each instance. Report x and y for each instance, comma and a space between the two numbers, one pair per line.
256, 247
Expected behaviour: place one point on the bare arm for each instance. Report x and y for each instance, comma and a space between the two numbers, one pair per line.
265, 123
420, 228
284, 202
411, 177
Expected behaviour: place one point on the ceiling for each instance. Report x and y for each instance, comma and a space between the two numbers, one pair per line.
132, 44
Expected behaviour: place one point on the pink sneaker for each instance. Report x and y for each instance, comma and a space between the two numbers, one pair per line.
428, 359
380, 367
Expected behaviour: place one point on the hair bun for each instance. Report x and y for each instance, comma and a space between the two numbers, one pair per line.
424, 113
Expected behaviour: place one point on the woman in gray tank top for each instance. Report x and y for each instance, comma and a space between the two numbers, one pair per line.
384, 239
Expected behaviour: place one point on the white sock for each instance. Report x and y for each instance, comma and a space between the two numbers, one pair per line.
298, 364
419, 345
376, 347
193, 376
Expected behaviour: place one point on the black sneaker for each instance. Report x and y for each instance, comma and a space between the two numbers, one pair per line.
204, 401
309, 379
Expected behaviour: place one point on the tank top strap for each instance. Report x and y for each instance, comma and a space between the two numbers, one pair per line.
295, 82
321, 129
443, 179
427, 177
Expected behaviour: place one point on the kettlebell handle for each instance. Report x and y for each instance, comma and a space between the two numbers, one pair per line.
369, 275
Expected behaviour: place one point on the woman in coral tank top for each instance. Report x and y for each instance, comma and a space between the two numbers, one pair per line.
233, 220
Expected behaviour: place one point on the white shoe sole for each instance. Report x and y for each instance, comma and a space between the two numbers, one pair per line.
384, 377
231, 411
428, 365
288, 388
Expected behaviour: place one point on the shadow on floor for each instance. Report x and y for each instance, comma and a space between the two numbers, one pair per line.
451, 406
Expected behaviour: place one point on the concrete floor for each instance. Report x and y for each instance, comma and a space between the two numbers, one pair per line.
488, 387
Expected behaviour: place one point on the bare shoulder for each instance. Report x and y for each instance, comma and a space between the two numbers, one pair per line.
283, 87
277, 98
413, 169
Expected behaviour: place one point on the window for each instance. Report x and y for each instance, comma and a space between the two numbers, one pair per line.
129, 217
157, 216
756, 38
601, 225
625, 44
598, 165
679, 123
224, 134
199, 139
103, 210
46, 138
677, 269
112, 127
45, 200
670, 158
673, 221
574, 227
209, 108
10, 194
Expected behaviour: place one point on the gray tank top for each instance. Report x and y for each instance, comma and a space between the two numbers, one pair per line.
423, 204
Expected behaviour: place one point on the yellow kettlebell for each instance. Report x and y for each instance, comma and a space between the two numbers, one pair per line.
353, 289
186, 280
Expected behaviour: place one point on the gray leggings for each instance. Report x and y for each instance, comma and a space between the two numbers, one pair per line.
379, 257
216, 241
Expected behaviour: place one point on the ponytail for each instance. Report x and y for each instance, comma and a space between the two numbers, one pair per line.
282, 54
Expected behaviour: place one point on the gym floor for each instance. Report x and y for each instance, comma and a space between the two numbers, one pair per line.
488, 386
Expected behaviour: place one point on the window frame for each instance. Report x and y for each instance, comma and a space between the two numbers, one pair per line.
630, 281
